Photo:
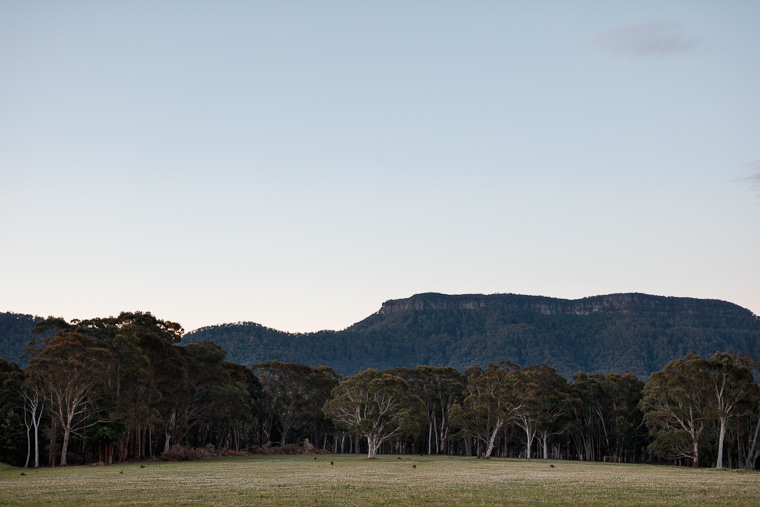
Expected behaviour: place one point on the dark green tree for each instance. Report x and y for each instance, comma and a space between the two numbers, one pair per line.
493, 402
677, 403
545, 402
294, 393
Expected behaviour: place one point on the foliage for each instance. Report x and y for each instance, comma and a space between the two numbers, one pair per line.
293, 395
123, 388
677, 402
378, 406
494, 401
607, 423
12, 436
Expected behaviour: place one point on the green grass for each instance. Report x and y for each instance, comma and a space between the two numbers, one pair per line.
354, 480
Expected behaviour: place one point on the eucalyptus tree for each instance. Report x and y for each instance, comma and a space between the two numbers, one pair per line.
378, 406
544, 402
295, 393
606, 419
493, 402
731, 384
244, 415
588, 415
747, 421
677, 403
440, 388
33, 409
143, 379
12, 408
623, 423
212, 401
68, 370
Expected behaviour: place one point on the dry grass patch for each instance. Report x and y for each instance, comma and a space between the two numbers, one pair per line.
354, 480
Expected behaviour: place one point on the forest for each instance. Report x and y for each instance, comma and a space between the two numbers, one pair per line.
125, 388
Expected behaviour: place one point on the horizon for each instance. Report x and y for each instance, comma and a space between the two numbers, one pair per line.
295, 165
244, 322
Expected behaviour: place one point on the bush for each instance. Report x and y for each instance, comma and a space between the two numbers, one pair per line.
181, 453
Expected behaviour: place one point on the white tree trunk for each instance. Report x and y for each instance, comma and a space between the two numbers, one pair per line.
492, 440
530, 435
28, 444
721, 437
65, 445
32, 419
373, 443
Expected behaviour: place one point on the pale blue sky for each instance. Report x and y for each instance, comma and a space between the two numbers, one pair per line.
295, 164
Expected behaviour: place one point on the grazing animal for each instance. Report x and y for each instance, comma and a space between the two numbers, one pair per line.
414, 466
551, 466
332, 463
22, 473
142, 466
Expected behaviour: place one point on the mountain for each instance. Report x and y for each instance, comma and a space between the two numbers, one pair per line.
15, 333
620, 333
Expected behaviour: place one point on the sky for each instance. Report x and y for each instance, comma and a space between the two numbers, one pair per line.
297, 163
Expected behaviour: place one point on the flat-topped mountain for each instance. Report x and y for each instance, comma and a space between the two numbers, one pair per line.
621, 333
612, 303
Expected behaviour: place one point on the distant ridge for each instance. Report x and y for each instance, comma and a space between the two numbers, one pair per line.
611, 303
15, 333
620, 333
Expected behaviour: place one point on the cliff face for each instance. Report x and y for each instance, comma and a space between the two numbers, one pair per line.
620, 304
618, 333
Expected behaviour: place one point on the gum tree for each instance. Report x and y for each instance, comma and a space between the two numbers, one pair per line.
492, 403
731, 385
677, 403
378, 406
67, 372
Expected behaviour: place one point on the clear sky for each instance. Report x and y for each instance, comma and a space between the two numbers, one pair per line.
296, 164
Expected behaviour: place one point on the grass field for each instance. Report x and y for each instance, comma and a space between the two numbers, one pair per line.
354, 480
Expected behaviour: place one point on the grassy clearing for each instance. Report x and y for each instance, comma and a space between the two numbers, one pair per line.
354, 480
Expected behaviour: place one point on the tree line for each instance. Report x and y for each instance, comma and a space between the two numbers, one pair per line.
123, 388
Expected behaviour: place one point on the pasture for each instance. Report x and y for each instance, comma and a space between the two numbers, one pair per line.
354, 480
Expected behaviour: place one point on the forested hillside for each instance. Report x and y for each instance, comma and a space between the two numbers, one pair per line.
619, 333
15, 333
615, 333
115, 389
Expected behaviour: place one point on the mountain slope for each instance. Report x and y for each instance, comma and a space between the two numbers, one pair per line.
621, 333
15, 333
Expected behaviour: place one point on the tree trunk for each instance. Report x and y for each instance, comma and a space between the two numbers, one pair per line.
169, 426
695, 461
65, 445
37, 441
442, 435
721, 437
492, 440
529, 436
53, 435
430, 436
749, 460
28, 444
373, 442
